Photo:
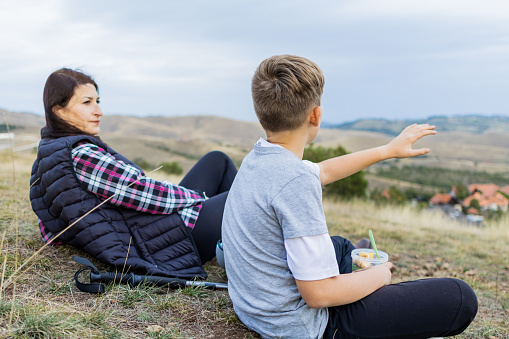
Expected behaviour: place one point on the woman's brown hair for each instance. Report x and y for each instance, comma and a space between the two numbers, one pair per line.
58, 90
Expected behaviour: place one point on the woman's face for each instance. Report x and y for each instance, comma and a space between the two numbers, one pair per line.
83, 109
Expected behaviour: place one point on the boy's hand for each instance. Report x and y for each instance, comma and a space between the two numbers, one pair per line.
388, 264
401, 146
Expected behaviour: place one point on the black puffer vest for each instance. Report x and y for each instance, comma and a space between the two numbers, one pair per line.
154, 244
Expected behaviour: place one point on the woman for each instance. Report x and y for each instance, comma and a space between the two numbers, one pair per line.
146, 226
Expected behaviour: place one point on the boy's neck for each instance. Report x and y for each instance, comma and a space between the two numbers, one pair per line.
295, 141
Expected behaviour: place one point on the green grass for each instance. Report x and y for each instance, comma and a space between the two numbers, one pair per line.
42, 301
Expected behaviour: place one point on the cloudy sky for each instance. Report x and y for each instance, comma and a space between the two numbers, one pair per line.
392, 59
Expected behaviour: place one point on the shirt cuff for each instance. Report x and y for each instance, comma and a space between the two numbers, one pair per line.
312, 257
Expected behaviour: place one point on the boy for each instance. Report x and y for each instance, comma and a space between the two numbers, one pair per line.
287, 277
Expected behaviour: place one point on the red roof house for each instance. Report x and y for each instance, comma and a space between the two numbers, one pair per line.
443, 199
487, 190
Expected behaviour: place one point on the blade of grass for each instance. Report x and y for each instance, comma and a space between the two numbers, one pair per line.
15, 274
11, 148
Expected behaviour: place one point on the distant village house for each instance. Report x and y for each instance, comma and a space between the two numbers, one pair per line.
488, 196
443, 199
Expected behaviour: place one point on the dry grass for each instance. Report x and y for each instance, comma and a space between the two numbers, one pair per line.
424, 243
44, 303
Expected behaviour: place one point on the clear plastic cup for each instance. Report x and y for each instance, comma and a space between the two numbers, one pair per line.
360, 261
220, 253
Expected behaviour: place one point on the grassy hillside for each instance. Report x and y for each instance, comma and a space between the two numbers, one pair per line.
460, 146
40, 299
157, 138
475, 124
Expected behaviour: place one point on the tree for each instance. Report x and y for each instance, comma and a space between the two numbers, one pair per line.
475, 204
461, 191
349, 187
171, 167
396, 196
417, 194
143, 164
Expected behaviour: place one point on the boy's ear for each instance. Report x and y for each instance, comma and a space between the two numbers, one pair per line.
315, 117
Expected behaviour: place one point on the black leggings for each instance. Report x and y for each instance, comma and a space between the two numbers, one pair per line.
212, 174
424, 308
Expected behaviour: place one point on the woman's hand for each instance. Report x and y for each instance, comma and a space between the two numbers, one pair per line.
401, 146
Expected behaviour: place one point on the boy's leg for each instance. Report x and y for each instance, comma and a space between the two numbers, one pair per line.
212, 174
415, 309
343, 248
207, 230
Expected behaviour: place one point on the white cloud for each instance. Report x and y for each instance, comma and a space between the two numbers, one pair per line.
148, 57
487, 10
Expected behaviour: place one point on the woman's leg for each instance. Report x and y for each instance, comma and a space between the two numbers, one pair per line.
414, 309
212, 174
207, 230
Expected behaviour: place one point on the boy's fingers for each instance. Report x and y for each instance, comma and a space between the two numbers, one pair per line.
420, 151
409, 127
425, 132
420, 127
418, 131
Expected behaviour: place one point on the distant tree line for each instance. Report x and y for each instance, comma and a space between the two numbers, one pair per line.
465, 123
397, 196
3, 128
350, 187
167, 167
167, 149
440, 177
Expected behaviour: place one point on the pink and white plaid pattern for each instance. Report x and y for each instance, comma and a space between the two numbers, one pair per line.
106, 176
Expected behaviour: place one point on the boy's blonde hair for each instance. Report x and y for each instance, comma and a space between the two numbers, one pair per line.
285, 88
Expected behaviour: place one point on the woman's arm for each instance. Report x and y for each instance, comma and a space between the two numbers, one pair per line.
400, 147
105, 176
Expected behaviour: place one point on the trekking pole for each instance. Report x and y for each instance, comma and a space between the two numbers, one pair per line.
97, 280
137, 279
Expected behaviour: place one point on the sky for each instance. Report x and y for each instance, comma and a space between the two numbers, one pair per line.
388, 59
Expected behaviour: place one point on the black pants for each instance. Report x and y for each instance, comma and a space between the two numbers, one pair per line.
424, 308
212, 174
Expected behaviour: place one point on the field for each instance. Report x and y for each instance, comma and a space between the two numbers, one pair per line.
39, 300
458, 144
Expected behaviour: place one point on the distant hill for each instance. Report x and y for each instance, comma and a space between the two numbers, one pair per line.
475, 124
20, 122
208, 128
464, 142
155, 139
237, 132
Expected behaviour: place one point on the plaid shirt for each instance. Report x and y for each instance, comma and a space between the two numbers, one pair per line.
106, 176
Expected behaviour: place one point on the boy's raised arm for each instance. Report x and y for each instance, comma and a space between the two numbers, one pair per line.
400, 147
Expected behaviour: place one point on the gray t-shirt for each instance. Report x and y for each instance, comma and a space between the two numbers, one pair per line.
273, 197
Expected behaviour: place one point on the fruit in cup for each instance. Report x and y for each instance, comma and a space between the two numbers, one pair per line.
367, 255
363, 264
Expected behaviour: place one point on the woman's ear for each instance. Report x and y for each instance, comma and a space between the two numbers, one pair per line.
315, 117
57, 109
